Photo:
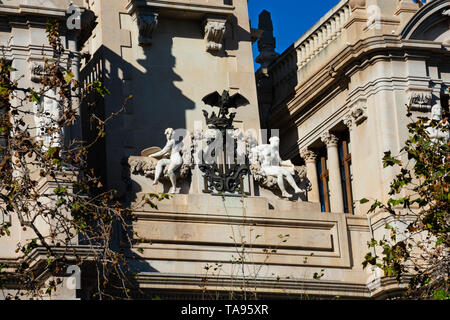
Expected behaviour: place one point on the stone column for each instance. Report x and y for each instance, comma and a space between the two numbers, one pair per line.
311, 173
334, 172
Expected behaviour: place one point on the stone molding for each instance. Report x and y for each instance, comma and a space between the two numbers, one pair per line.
308, 155
215, 28
329, 139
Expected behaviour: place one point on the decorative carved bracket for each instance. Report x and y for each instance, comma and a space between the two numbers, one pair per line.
420, 101
147, 23
36, 71
214, 31
359, 111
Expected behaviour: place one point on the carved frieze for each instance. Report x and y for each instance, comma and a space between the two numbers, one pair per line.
215, 29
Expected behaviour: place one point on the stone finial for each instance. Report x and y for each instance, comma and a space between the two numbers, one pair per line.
147, 24
215, 29
267, 42
308, 155
329, 139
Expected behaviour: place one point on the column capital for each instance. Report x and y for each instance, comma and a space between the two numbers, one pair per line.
308, 155
329, 139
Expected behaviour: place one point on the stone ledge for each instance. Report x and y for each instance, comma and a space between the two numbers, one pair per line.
282, 286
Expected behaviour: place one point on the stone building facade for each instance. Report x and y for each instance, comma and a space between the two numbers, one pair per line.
323, 93
340, 95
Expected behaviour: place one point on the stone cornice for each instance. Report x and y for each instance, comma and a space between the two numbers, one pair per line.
182, 7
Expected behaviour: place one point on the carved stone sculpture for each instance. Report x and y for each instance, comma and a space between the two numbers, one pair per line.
172, 162
269, 170
437, 133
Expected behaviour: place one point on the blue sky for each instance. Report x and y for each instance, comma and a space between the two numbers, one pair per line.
291, 18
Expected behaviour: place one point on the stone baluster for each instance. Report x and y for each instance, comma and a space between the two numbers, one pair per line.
320, 36
334, 172
338, 24
347, 13
310, 158
329, 33
333, 29
311, 48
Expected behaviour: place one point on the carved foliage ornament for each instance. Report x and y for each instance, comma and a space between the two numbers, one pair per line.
308, 155
329, 139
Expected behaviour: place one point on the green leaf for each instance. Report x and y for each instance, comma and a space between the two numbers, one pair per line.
68, 76
363, 200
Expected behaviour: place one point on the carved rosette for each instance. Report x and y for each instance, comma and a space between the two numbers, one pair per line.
329, 139
214, 31
147, 23
308, 155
